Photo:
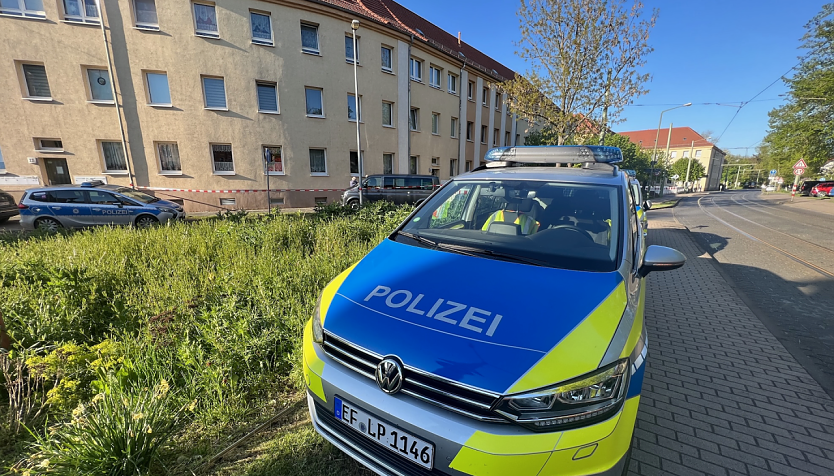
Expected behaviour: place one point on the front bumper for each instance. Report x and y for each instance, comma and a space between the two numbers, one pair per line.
463, 446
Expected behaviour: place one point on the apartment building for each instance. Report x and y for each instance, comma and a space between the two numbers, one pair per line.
201, 102
684, 143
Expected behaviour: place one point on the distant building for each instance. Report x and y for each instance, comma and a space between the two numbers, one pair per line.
685, 141
207, 90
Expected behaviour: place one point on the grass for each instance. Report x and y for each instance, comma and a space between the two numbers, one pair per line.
214, 309
664, 204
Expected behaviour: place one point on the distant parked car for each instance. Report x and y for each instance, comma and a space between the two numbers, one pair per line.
769, 188
822, 190
91, 204
806, 186
8, 208
400, 189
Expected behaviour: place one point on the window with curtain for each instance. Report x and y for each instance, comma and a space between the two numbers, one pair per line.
267, 97
221, 158
26, 8
315, 106
145, 11
36, 83
414, 119
453, 83
434, 77
261, 28
413, 163
205, 20
388, 163
435, 123
114, 157
470, 128
453, 167
100, 89
273, 160
158, 92
352, 107
309, 38
81, 10
318, 162
454, 127
349, 49
387, 114
483, 134
386, 55
214, 90
416, 68
169, 157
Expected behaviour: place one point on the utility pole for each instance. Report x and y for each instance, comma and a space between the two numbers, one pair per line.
666, 159
354, 25
689, 164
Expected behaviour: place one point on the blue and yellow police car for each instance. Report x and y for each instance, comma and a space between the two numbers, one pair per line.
498, 331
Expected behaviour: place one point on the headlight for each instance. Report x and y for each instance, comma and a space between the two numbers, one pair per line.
318, 330
167, 210
579, 402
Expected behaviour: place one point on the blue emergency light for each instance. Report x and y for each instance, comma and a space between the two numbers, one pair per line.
555, 154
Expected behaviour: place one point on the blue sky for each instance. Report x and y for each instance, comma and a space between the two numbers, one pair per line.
710, 51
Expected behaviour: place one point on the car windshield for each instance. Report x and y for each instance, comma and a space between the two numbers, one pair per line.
142, 197
555, 224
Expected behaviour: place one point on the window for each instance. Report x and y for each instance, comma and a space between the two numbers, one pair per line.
114, 157
454, 128
267, 97
415, 67
497, 100
3, 164
99, 81
484, 96
354, 162
470, 90
495, 138
158, 92
453, 167
273, 160
413, 164
507, 138
673, 154
214, 92
435, 123
144, 12
49, 145
386, 54
685, 154
352, 108
483, 134
434, 77
697, 154
205, 20
388, 163
315, 107
435, 161
221, 159
469, 130
453, 83
349, 49
81, 10
414, 119
26, 8
387, 114
169, 158
37, 86
309, 38
468, 166
318, 162
517, 139
261, 28
228, 202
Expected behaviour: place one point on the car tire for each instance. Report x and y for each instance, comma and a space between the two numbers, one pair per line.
146, 221
47, 224
353, 204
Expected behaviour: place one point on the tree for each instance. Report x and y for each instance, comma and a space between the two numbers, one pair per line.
583, 58
804, 127
696, 170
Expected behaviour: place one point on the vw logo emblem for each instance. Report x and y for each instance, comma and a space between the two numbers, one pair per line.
389, 375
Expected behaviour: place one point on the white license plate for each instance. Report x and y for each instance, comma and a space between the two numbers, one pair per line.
395, 440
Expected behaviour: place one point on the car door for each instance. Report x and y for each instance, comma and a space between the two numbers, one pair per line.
69, 206
106, 209
394, 190
373, 188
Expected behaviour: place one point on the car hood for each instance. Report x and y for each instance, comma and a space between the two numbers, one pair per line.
166, 203
478, 321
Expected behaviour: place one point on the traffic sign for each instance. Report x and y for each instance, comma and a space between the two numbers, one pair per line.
780, 180
800, 165
773, 173
798, 171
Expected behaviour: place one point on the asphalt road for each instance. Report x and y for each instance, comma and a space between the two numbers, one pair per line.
779, 257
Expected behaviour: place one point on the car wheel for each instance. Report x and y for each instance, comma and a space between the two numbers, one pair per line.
50, 225
353, 204
146, 221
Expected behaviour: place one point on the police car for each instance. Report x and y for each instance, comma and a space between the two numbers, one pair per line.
498, 331
90, 204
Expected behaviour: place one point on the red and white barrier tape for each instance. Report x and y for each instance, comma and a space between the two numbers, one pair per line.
164, 189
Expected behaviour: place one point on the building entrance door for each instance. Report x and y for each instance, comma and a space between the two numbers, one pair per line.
57, 172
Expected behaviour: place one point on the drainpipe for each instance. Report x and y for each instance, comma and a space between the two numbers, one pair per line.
408, 161
115, 95
461, 120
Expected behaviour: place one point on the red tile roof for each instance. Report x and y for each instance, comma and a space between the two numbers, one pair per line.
681, 137
394, 15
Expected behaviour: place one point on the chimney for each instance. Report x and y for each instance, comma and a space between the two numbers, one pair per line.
458, 38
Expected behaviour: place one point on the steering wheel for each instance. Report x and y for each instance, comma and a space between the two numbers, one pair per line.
575, 229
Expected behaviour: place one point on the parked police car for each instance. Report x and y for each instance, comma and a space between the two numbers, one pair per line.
90, 204
499, 330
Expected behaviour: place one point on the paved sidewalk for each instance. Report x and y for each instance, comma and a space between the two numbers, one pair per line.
722, 396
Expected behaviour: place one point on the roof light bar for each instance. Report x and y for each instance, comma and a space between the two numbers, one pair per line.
556, 154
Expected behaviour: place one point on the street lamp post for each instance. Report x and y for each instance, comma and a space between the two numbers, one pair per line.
354, 25
657, 137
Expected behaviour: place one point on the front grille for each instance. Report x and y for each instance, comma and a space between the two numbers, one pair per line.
339, 430
453, 396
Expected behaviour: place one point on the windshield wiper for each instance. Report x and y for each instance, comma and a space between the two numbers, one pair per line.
472, 251
418, 238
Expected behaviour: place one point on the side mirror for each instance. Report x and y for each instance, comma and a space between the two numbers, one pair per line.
661, 258
647, 205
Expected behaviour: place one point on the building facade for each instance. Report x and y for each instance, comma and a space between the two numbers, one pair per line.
684, 143
209, 100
